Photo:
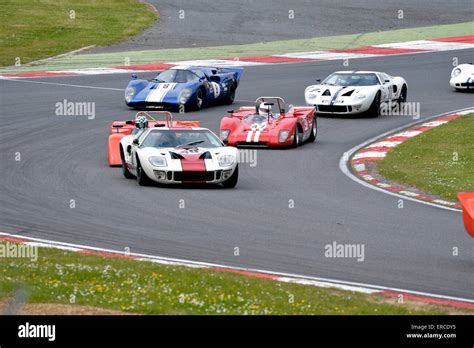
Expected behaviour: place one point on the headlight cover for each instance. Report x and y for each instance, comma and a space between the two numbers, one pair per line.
226, 160
224, 134
129, 93
185, 95
157, 161
456, 72
361, 96
283, 135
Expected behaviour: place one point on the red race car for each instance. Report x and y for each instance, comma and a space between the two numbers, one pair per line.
120, 129
259, 126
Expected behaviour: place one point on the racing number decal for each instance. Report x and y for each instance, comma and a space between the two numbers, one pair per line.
216, 88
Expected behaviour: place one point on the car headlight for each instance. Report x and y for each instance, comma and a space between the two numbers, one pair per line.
224, 134
226, 160
283, 135
129, 93
185, 95
361, 96
157, 161
312, 95
456, 72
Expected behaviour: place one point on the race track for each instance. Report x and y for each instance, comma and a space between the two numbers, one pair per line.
201, 23
64, 158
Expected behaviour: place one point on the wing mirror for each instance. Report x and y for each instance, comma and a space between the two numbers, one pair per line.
225, 141
135, 141
134, 76
387, 81
318, 80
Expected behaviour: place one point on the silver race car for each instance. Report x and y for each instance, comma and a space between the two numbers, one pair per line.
356, 92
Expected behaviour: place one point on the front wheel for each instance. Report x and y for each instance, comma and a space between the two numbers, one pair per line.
199, 101
297, 137
314, 131
142, 178
232, 181
374, 110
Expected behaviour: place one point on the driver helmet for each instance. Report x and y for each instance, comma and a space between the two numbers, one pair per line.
264, 109
141, 122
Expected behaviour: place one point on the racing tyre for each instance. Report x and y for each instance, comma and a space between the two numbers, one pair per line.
229, 99
314, 131
199, 102
403, 95
297, 138
126, 173
232, 181
142, 178
374, 110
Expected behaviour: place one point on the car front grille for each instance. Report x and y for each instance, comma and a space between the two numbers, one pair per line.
197, 176
332, 108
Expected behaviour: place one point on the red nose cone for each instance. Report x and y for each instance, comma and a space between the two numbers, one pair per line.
467, 203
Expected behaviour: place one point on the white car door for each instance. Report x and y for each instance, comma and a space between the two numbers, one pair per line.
387, 87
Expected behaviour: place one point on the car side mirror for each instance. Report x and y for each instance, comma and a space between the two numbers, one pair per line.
387, 81
318, 80
225, 141
134, 76
135, 141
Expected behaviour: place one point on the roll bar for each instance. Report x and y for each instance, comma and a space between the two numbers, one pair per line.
280, 101
149, 115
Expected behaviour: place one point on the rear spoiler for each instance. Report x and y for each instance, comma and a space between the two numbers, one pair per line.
467, 204
237, 72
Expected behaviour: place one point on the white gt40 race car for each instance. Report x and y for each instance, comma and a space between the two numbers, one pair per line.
173, 154
462, 77
356, 92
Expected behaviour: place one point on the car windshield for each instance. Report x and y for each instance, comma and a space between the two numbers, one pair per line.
181, 138
356, 79
257, 118
176, 75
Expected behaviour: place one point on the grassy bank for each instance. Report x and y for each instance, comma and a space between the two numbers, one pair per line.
439, 161
145, 287
262, 48
31, 30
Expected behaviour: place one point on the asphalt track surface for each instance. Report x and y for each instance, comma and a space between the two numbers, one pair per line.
215, 23
65, 157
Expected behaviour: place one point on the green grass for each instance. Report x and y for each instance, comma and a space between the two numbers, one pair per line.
439, 161
35, 29
262, 48
150, 288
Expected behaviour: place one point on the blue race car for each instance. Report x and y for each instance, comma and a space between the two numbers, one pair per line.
190, 86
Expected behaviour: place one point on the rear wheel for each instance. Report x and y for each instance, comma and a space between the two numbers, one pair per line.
229, 99
314, 131
374, 110
142, 178
232, 181
403, 95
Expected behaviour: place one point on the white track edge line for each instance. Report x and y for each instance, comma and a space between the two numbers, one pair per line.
345, 160
254, 270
